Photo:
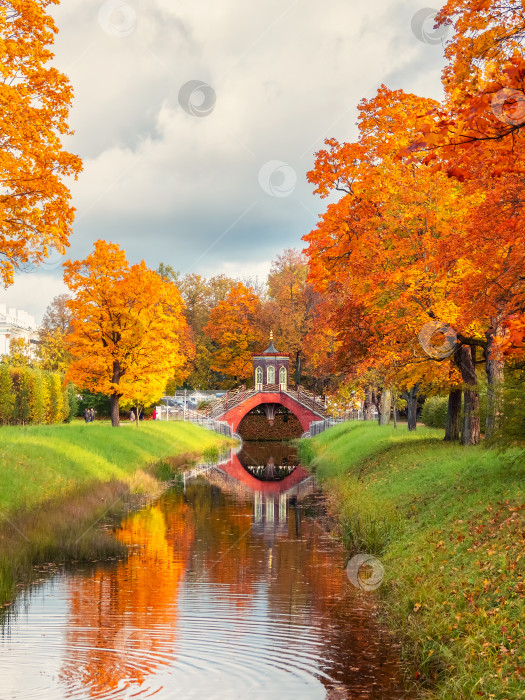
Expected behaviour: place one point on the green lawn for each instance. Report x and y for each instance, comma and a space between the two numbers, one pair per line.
447, 523
41, 462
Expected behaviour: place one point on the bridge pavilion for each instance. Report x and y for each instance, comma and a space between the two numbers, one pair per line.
271, 368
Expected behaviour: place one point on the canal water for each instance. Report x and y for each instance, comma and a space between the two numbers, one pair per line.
233, 588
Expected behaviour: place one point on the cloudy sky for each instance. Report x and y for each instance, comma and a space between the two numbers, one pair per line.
197, 121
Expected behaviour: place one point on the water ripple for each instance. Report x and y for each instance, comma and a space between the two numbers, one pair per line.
190, 615
249, 654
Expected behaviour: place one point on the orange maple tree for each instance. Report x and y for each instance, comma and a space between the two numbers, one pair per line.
430, 227
234, 329
291, 305
382, 254
35, 211
477, 137
127, 327
200, 296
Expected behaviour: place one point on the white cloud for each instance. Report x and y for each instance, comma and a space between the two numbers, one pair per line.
181, 189
257, 270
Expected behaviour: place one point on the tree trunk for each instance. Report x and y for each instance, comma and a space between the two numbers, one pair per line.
494, 367
395, 397
453, 415
466, 361
386, 406
115, 412
375, 402
412, 407
115, 398
367, 408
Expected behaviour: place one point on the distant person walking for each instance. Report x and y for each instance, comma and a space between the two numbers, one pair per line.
154, 414
92, 415
132, 416
87, 415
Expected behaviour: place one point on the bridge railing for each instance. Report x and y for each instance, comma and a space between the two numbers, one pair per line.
237, 396
232, 399
211, 424
320, 426
308, 399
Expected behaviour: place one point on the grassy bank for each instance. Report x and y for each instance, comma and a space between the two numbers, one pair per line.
41, 462
448, 525
58, 483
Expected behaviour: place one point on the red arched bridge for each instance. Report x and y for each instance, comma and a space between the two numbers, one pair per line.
236, 404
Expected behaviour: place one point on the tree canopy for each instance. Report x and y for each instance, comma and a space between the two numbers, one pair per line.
127, 327
35, 211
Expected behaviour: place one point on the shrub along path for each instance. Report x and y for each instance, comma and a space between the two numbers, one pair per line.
447, 523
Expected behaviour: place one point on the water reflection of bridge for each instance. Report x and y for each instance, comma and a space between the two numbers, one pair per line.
272, 500
232, 476
302, 485
270, 513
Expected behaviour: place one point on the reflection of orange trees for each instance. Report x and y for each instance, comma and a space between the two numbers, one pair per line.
122, 622
225, 551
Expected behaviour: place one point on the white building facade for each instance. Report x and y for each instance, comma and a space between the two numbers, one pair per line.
15, 323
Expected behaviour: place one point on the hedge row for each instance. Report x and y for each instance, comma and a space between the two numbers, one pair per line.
30, 395
434, 413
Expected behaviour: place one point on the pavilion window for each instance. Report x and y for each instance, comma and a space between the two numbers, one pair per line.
259, 375
270, 374
282, 375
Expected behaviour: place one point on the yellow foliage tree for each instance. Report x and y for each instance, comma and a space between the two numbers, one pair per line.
127, 327
56, 399
19, 353
39, 397
295, 302
51, 349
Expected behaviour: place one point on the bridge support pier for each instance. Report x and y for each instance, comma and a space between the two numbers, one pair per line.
270, 410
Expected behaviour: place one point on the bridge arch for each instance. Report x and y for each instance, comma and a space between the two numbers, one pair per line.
304, 415
277, 423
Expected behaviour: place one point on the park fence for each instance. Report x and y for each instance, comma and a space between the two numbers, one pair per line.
319, 426
190, 416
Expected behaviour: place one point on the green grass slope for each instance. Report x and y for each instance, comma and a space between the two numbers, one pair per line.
41, 462
447, 523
